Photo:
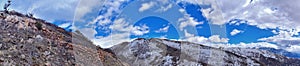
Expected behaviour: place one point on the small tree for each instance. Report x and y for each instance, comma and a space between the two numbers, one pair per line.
7, 5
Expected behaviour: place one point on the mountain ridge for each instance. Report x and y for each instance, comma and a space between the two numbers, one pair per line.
146, 51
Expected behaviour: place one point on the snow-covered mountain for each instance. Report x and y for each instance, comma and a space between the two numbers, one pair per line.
281, 52
144, 52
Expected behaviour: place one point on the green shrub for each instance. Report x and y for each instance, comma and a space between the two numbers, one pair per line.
38, 25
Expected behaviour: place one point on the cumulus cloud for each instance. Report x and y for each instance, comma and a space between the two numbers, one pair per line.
283, 38
121, 31
200, 39
270, 13
187, 21
140, 30
235, 31
120, 25
146, 6
192, 38
218, 39
85, 7
111, 7
212, 13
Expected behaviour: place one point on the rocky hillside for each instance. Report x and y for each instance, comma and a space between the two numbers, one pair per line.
162, 52
27, 41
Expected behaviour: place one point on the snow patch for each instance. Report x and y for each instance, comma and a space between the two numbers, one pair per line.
172, 44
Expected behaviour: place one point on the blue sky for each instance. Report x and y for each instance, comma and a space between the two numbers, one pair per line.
156, 28
104, 22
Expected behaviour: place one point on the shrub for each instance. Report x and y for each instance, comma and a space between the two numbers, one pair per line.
38, 25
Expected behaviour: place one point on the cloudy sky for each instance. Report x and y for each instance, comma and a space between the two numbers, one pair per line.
251, 23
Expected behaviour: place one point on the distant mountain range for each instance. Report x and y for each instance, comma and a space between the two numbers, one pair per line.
163, 52
28, 41
281, 52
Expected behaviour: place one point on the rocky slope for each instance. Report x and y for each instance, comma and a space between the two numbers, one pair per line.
162, 52
27, 41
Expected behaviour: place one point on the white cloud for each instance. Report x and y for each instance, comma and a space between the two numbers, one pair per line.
47, 9
120, 29
181, 10
235, 31
246, 3
189, 1
283, 38
140, 30
120, 33
146, 6
200, 39
163, 30
111, 40
192, 38
119, 25
274, 32
64, 25
165, 8
246, 45
111, 7
213, 14
293, 48
88, 32
85, 7
187, 21
163, 37
282, 41
270, 13
197, 39
218, 39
